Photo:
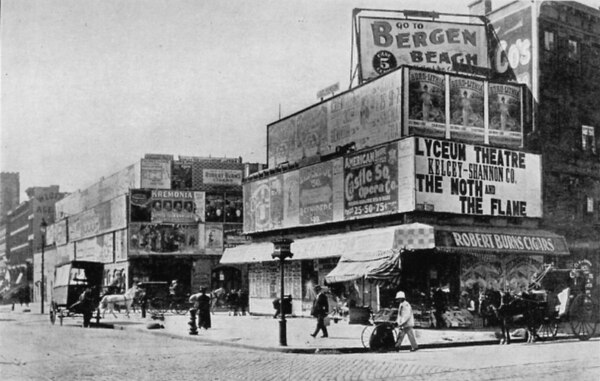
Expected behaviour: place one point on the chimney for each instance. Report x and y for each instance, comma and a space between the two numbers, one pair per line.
480, 7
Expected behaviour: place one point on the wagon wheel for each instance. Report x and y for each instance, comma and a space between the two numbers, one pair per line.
365, 336
582, 317
548, 329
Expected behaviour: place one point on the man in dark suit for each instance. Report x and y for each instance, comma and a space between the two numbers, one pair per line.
320, 310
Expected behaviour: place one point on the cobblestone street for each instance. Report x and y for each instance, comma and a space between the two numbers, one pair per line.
32, 349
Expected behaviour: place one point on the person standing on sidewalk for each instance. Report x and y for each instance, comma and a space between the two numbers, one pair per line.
320, 310
406, 322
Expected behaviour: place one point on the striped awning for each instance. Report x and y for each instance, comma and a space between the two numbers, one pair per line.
378, 266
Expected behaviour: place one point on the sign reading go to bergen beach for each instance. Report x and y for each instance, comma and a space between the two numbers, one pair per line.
388, 43
415, 173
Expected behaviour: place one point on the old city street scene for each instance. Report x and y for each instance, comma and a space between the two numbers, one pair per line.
204, 190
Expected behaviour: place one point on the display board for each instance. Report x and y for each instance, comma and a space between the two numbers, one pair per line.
164, 206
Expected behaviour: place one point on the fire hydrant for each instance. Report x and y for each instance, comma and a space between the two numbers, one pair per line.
192, 322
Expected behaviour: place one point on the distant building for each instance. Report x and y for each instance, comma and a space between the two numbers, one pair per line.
9, 193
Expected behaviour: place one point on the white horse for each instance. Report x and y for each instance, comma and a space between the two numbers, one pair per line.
109, 302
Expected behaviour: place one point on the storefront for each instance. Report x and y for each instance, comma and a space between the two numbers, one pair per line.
370, 265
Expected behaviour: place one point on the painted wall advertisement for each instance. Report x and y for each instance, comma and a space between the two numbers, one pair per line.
460, 178
166, 206
506, 115
149, 238
155, 174
99, 248
371, 182
387, 43
427, 104
467, 110
105, 217
366, 116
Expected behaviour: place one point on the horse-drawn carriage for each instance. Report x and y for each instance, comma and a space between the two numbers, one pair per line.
76, 291
554, 296
158, 298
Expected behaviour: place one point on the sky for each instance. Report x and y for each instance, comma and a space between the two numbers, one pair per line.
90, 86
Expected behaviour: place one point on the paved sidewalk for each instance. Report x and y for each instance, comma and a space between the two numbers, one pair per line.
262, 332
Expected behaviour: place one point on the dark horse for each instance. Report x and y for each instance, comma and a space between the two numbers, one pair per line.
517, 311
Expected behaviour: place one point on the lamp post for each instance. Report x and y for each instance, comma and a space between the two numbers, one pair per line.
281, 252
43, 226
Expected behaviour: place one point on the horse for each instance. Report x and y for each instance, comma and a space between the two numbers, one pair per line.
518, 310
108, 302
216, 297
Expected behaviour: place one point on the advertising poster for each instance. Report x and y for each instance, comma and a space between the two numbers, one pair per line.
213, 238
276, 201
156, 174
427, 104
368, 115
505, 113
234, 210
311, 131
223, 177
371, 182
512, 57
258, 208
316, 193
291, 198
181, 176
248, 216
215, 207
162, 238
234, 236
162, 206
454, 177
60, 232
387, 43
337, 181
282, 142
97, 249
406, 175
467, 110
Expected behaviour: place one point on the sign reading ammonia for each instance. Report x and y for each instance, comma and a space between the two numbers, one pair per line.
387, 43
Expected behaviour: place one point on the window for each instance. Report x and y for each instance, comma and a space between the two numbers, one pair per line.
588, 139
573, 49
589, 205
549, 44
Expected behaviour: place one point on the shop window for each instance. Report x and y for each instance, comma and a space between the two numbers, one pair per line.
588, 139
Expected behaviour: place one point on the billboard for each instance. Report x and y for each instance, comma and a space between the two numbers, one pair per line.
386, 43
105, 217
467, 105
211, 235
455, 177
365, 116
371, 182
155, 174
149, 238
165, 206
222, 176
505, 115
426, 103
181, 175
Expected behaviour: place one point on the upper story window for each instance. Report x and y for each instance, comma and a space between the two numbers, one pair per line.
573, 52
588, 139
549, 41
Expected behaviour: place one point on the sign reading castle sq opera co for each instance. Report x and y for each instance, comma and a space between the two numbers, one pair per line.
414, 173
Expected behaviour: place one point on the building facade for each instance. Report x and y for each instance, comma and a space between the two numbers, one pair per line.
160, 219
9, 193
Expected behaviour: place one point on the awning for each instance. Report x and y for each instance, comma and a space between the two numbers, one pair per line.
382, 266
327, 246
415, 236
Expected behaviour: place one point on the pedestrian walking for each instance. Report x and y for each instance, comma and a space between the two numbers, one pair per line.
406, 322
320, 310
202, 305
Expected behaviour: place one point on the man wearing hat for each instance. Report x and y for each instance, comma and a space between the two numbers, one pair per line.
320, 310
406, 322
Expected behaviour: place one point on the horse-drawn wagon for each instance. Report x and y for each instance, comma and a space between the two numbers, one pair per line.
554, 296
76, 291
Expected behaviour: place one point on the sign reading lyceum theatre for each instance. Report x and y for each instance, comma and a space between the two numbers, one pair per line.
388, 43
461, 178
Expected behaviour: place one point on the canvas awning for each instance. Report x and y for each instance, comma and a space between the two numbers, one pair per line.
415, 236
382, 266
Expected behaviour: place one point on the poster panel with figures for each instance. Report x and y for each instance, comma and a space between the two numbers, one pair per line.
291, 198
505, 115
371, 182
181, 175
467, 110
152, 238
316, 193
215, 207
257, 210
163, 206
426, 104
213, 239
234, 208
276, 201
